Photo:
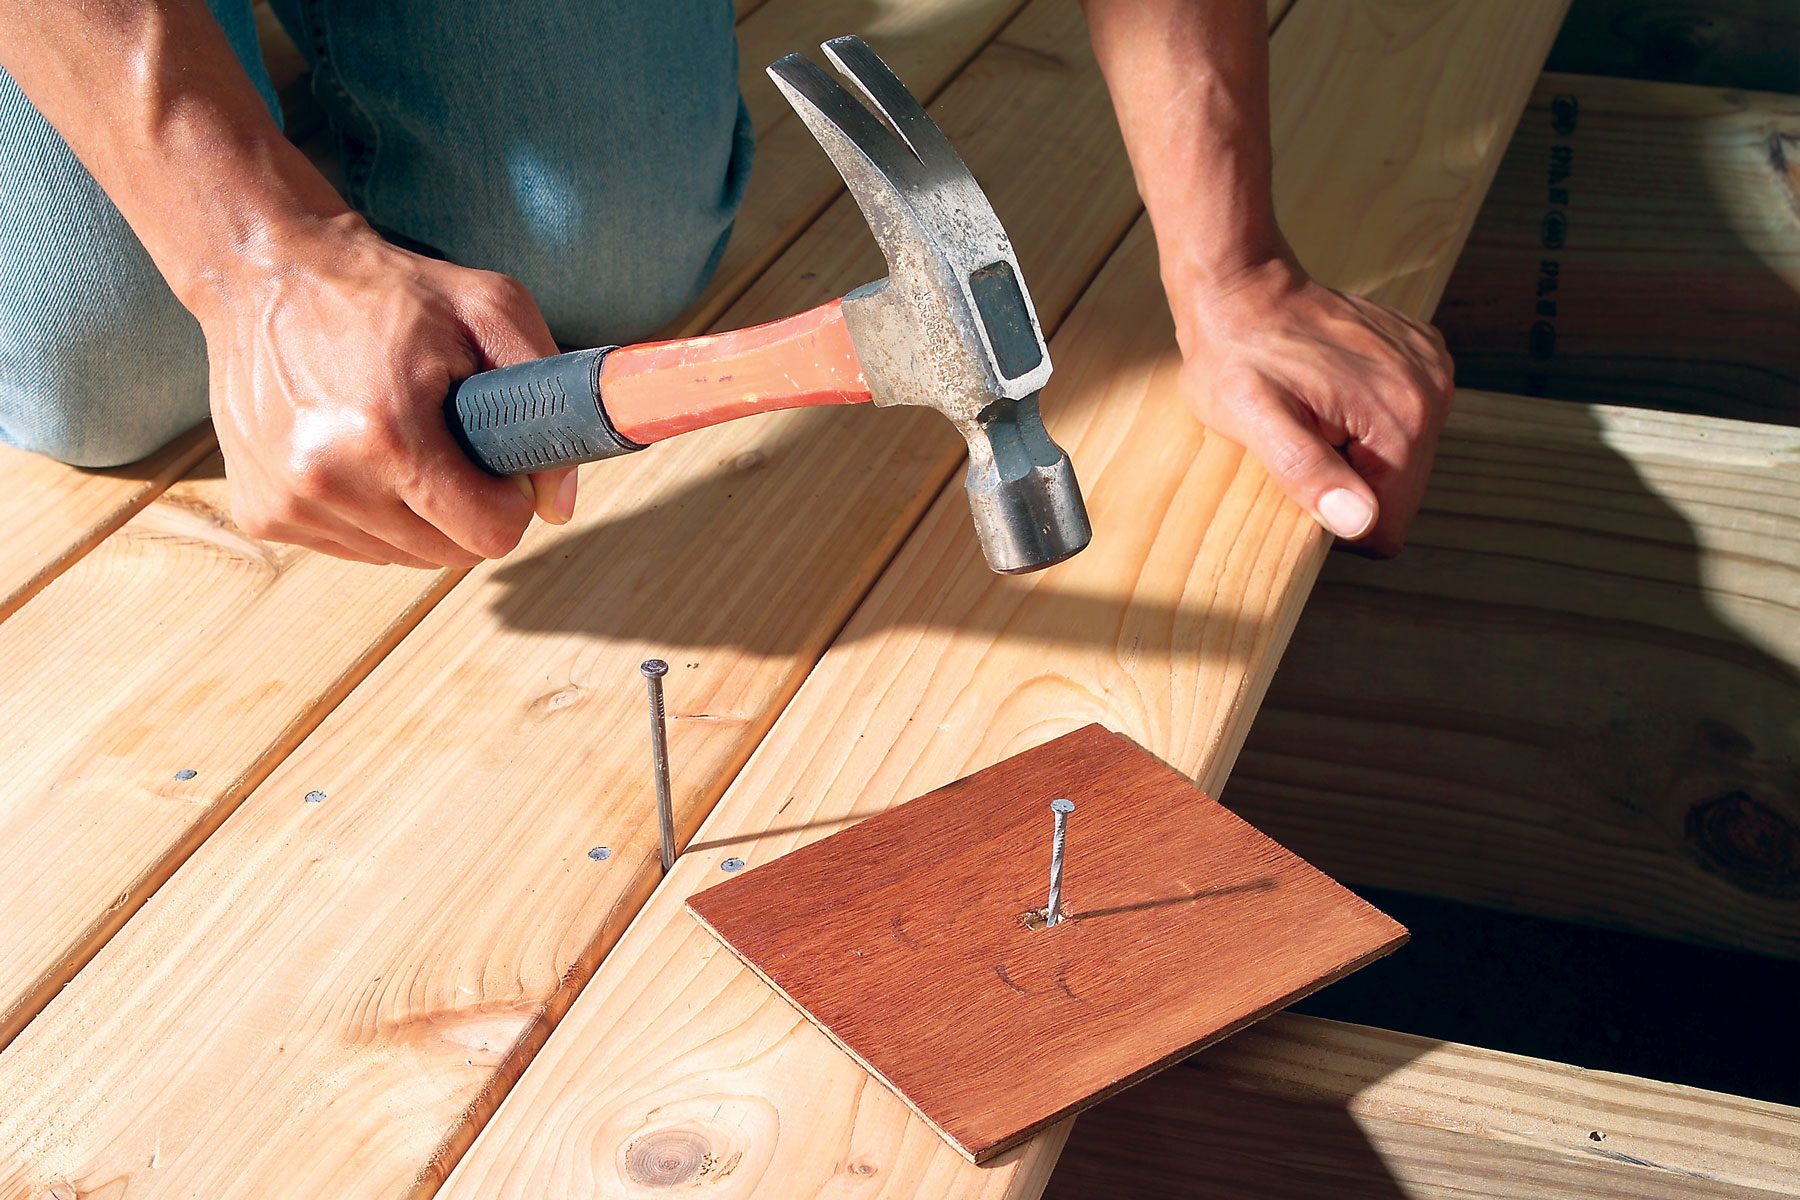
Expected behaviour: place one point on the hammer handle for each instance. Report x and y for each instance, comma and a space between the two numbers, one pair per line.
541, 415
536, 416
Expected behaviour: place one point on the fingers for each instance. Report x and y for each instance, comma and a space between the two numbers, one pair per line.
339, 539
461, 504
1269, 424
1395, 459
1395, 444
506, 327
502, 319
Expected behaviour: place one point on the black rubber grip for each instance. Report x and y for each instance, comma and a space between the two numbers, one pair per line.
536, 416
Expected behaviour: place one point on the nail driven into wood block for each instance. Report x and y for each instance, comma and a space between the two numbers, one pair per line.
1187, 926
653, 670
1053, 910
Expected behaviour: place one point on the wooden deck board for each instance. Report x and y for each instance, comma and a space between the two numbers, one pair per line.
1166, 628
1303, 1109
53, 514
264, 639
417, 931
1575, 695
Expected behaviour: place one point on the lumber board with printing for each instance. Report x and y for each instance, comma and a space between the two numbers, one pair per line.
1577, 693
1304, 1109
1641, 244
677, 1064
182, 644
417, 931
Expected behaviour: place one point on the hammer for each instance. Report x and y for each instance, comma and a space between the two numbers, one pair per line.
951, 327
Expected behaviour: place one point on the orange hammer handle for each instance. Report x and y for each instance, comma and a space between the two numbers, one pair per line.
656, 390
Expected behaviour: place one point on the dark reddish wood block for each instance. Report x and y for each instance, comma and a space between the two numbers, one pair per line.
908, 937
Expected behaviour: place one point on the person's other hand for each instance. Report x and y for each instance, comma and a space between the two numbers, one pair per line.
330, 360
1340, 398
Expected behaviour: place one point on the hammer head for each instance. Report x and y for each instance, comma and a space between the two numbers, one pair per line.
952, 326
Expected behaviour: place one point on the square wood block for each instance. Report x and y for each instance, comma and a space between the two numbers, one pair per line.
915, 940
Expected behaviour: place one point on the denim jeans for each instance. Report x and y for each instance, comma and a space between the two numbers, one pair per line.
597, 153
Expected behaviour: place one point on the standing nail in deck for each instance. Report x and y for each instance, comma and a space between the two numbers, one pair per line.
654, 669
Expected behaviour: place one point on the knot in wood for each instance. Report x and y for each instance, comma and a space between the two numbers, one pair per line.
667, 1158
1748, 843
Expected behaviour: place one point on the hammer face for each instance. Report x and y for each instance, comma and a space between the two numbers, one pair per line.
1022, 492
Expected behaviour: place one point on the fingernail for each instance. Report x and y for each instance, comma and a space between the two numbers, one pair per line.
1345, 513
565, 497
523, 483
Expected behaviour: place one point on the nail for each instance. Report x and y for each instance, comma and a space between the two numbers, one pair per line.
565, 498
653, 670
1345, 513
1053, 910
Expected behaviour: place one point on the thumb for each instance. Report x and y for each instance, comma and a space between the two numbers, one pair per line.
553, 494
1312, 473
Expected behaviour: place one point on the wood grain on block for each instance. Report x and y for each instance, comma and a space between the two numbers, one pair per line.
1641, 244
913, 938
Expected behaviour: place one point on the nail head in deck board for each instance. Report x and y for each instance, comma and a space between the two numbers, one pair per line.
1182, 925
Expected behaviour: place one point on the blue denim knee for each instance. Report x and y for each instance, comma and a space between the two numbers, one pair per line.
596, 154
99, 363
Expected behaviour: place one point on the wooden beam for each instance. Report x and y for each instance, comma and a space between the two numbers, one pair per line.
1574, 694
331, 997
1303, 1109
1641, 243
182, 644
1389, 118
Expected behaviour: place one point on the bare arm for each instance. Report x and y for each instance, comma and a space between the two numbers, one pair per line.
330, 351
1341, 398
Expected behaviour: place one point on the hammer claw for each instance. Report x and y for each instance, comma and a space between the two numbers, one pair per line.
860, 146
895, 105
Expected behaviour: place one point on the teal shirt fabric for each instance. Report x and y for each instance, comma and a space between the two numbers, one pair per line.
597, 153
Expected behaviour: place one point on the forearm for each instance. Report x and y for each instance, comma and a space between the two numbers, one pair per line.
151, 99
1190, 82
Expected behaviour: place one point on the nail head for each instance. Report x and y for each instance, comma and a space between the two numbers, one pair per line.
600, 853
1062, 806
186, 773
732, 864
654, 668
313, 797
